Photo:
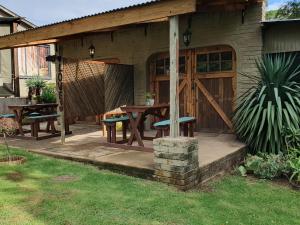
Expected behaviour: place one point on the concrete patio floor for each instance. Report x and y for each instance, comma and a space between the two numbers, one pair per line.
84, 146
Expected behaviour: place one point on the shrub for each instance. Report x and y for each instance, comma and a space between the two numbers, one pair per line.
267, 166
270, 106
292, 139
49, 94
294, 164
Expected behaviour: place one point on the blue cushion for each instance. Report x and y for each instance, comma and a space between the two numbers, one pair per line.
115, 120
167, 122
8, 116
34, 114
43, 116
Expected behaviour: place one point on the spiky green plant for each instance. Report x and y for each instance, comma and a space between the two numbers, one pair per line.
271, 106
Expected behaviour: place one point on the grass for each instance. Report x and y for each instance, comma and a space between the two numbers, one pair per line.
30, 194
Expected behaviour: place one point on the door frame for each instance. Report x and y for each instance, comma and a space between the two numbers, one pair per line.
191, 80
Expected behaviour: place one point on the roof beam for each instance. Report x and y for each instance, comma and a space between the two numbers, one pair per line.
154, 11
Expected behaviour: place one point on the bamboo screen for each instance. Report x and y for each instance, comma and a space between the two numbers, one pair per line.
119, 88
83, 88
93, 88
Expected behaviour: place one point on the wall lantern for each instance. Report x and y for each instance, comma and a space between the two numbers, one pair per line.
187, 35
92, 50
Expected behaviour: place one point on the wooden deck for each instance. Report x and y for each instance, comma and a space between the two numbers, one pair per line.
217, 152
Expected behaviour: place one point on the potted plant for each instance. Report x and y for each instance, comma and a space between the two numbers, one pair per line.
150, 99
35, 85
34, 100
8, 128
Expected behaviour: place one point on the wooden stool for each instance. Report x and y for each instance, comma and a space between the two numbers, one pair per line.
111, 128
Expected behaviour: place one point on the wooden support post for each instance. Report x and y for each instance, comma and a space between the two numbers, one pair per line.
14, 65
174, 76
59, 88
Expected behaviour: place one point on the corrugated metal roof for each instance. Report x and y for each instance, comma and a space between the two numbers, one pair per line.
280, 21
96, 14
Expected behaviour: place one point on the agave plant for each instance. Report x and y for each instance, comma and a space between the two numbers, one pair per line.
271, 106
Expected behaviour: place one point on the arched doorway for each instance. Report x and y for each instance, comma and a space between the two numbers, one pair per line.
206, 88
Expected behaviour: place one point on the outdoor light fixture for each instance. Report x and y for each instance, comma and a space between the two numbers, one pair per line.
92, 50
187, 35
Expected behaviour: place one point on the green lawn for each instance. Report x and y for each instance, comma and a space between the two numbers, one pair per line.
29, 194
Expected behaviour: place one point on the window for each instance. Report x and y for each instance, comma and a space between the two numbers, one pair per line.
163, 66
214, 62
32, 61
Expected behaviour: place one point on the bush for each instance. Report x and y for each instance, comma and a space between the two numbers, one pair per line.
267, 166
49, 94
294, 164
292, 139
270, 106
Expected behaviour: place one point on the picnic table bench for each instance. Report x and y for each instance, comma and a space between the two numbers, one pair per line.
186, 125
35, 121
111, 128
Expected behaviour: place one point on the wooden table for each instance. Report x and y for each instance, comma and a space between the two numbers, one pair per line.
21, 111
137, 116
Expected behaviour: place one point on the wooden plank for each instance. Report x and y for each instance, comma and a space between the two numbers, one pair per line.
214, 104
174, 76
212, 75
102, 21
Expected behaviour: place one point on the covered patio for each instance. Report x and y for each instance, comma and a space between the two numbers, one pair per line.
131, 36
217, 152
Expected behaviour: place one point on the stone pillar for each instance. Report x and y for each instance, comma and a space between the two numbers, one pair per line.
176, 161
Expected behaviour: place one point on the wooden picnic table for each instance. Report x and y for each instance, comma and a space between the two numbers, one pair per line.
21, 111
137, 116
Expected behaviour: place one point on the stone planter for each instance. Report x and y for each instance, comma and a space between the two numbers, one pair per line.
15, 160
176, 161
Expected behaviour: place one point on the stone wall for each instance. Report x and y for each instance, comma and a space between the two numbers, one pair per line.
176, 161
134, 46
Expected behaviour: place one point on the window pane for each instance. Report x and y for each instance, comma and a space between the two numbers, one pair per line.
32, 61
167, 66
214, 66
226, 66
182, 68
160, 67
22, 61
43, 64
202, 63
226, 56
202, 67
202, 58
214, 57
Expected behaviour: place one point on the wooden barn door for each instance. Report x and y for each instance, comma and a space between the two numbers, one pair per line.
206, 86
214, 74
160, 80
